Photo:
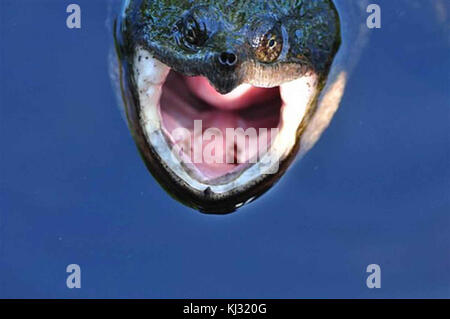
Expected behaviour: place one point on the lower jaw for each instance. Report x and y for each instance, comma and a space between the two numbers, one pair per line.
296, 98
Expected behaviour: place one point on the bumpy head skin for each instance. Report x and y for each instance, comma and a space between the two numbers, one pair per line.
261, 42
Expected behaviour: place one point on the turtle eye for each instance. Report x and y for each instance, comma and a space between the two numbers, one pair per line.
267, 42
190, 33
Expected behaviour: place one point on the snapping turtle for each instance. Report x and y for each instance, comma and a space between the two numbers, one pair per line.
220, 96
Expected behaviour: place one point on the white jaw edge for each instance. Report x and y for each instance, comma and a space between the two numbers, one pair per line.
150, 75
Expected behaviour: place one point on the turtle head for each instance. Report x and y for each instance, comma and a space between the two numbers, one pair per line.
262, 43
219, 92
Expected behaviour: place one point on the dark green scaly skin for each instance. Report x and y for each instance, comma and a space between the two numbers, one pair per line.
310, 32
311, 35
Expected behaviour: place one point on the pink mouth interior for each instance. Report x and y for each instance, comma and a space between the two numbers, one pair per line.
187, 99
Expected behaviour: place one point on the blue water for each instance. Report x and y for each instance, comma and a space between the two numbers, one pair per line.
375, 189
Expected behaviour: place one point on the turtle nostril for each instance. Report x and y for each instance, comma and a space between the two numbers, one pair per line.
227, 58
232, 58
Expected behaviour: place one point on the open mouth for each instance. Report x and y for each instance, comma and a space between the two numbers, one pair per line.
215, 141
219, 134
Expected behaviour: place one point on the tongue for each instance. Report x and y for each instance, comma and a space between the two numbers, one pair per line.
241, 97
